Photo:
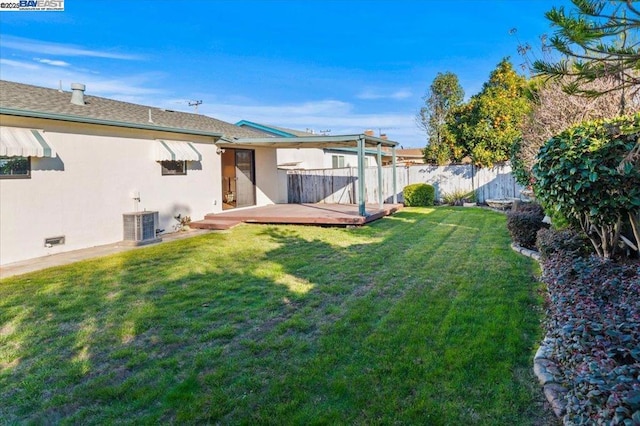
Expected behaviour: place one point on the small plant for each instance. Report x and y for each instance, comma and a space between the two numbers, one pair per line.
419, 195
458, 197
565, 242
594, 322
183, 222
523, 224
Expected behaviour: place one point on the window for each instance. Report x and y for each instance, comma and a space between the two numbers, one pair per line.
173, 168
15, 167
337, 161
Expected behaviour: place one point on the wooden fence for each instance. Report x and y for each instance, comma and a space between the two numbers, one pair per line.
341, 185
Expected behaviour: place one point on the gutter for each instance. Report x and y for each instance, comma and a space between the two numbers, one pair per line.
88, 120
370, 140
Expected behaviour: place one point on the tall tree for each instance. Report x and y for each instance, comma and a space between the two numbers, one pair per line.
555, 110
598, 39
489, 124
444, 94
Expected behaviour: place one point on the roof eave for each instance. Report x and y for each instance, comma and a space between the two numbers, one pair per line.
301, 141
114, 123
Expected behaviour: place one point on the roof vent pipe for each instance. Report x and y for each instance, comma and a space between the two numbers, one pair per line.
77, 93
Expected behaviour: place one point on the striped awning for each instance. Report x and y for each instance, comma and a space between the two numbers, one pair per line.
21, 142
177, 151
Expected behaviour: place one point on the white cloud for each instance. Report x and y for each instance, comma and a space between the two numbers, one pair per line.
59, 49
375, 94
131, 88
17, 65
337, 116
53, 62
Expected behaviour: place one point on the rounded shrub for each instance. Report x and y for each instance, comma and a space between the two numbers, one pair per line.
419, 195
523, 224
582, 174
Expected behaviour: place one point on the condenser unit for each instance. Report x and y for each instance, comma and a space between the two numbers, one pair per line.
140, 228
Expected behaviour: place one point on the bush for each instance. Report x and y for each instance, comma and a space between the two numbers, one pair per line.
523, 224
594, 322
458, 197
579, 174
566, 243
533, 208
419, 195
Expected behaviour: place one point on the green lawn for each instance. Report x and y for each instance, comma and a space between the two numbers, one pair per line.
425, 317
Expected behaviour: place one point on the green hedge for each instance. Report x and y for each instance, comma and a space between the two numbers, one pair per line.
419, 195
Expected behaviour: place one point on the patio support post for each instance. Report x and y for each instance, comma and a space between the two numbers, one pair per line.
395, 177
380, 194
362, 211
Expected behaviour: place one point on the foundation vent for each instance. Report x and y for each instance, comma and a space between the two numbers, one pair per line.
54, 241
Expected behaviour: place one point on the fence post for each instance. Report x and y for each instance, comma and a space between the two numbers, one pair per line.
395, 178
362, 211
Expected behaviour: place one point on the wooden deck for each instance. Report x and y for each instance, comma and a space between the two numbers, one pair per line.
303, 214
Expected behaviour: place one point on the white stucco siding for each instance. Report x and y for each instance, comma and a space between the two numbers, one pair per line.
314, 158
350, 160
83, 193
267, 181
306, 158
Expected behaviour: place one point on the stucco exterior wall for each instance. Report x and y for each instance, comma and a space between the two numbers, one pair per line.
314, 158
83, 192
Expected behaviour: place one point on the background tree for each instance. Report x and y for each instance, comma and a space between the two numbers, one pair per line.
487, 126
445, 93
598, 39
554, 110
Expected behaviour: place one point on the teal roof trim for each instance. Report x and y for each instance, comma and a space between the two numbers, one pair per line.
266, 129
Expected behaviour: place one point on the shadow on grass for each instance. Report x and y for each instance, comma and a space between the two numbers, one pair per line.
294, 324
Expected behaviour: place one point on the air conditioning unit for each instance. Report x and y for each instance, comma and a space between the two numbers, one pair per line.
140, 228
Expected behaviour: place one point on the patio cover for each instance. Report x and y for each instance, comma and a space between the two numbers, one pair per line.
21, 142
359, 141
177, 151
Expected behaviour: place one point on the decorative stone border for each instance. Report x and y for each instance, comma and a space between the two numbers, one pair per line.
543, 367
549, 377
527, 252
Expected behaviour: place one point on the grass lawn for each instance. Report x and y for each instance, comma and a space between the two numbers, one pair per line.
425, 317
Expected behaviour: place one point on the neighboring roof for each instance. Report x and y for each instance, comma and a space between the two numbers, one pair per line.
273, 130
410, 153
33, 101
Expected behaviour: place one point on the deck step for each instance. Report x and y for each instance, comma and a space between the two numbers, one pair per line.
215, 224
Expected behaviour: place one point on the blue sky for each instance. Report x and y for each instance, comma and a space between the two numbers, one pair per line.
343, 66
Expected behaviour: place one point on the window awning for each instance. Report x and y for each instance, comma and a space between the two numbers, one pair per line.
21, 142
177, 151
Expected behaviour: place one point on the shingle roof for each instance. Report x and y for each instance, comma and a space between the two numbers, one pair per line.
410, 152
50, 101
292, 131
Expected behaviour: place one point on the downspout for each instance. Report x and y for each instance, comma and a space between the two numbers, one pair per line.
362, 211
380, 195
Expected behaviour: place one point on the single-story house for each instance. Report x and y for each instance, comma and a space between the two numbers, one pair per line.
78, 171
409, 156
314, 158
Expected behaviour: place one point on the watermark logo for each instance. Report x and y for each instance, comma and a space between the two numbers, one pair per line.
32, 6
